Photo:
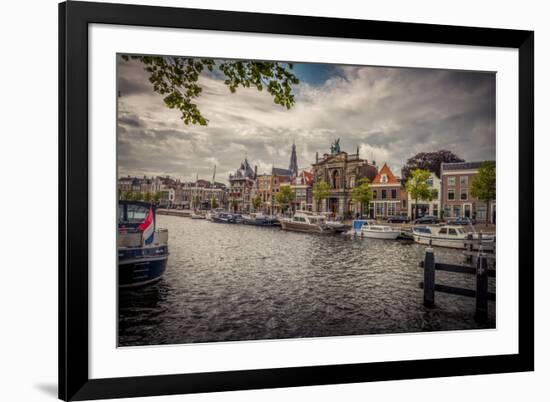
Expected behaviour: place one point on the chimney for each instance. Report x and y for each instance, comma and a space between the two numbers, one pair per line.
255, 171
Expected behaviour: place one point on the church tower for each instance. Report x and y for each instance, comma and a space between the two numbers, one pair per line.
293, 167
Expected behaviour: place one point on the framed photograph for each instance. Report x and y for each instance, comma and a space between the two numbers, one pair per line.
258, 201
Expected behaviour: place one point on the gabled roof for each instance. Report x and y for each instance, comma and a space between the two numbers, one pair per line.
281, 172
385, 171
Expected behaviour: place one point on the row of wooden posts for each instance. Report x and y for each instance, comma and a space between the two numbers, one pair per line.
480, 270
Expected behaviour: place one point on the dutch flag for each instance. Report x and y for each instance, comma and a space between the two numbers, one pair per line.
148, 228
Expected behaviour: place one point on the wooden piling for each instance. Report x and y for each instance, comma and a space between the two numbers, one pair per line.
481, 288
429, 278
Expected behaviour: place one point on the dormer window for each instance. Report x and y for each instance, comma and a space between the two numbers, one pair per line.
384, 178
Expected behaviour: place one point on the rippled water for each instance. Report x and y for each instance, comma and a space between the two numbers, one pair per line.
236, 282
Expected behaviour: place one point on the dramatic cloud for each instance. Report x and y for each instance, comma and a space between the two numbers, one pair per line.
389, 113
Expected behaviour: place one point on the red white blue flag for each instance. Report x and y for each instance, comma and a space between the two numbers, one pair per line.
147, 228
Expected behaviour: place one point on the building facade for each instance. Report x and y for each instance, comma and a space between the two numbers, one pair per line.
389, 197
456, 199
202, 194
241, 187
341, 171
427, 207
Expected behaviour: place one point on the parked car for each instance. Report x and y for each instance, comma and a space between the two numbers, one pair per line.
398, 219
461, 221
427, 219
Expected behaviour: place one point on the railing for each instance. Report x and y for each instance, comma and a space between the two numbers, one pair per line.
481, 271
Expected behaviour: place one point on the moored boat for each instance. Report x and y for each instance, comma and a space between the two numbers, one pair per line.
445, 236
223, 217
142, 247
379, 232
257, 219
304, 221
198, 215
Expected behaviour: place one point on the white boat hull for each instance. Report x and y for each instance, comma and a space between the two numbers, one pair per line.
301, 227
394, 234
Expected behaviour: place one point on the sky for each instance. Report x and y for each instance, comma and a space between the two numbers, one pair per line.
389, 113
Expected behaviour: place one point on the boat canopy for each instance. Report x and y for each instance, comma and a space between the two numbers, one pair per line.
133, 213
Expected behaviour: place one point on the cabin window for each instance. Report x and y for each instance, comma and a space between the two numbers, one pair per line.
136, 213
120, 213
452, 232
443, 231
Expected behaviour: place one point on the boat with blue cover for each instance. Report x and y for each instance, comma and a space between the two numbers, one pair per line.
142, 247
258, 219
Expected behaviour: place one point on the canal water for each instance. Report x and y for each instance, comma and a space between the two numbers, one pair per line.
235, 282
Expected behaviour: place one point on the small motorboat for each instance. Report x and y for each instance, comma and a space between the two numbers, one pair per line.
223, 217
198, 215
336, 226
257, 219
142, 247
373, 231
305, 221
356, 226
445, 236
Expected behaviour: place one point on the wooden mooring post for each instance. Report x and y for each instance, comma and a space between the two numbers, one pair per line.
481, 271
429, 278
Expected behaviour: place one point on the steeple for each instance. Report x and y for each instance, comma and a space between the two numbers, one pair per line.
293, 167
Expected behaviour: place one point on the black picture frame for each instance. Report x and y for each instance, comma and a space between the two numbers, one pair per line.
74, 381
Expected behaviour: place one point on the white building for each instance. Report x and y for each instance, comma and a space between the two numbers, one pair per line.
427, 207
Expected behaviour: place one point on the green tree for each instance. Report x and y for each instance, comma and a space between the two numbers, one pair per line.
321, 191
214, 203
196, 201
257, 202
147, 197
428, 161
418, 188
177, 80
137, 195
483, 185
284, 197
362, 194
127, 195
157, 196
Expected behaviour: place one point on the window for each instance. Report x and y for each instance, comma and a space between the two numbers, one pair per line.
404, 203
463, 194
450, 194
374, 194
435, 194
452, 232
136, 213
443, 231
383, 194
447, 211
457, 211
394, 194
481, 212
463, 180
430, 182
391, 209
451, 181
384, 178
379, 208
